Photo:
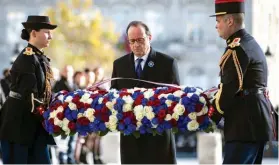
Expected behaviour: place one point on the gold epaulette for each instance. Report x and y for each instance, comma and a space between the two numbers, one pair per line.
28, 51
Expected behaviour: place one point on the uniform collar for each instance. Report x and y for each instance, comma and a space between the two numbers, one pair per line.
240, 33
35, 49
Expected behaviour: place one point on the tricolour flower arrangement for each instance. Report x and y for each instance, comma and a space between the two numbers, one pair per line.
129, 111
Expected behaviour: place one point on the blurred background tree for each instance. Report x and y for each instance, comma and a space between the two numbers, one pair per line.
84, 38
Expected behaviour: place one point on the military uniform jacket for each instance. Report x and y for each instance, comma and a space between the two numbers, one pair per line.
147, 149
243, 68
30, 76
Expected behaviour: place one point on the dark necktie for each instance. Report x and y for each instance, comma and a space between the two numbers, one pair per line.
138, 68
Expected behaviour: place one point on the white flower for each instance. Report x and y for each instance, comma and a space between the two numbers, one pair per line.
202, 100
113, 119
128, 99
138, 108
127, 107
114, 112
189, 95
140, 89
89, 101
69, 99
79, 115
149, 93
168, 103
203, 111
112, 127
116, 95
130, 91
139, 116
150, 115
57, 122
85, 96
89, 112
175, 116
178, 93
147, 109
72, 106
168, 117
193, 125
60, 97
59, 109
53, 114
179, 109
65, 122
139, 124
109, 105
100, 101
193, 116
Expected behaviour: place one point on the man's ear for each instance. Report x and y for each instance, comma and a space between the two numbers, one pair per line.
150, 37
230, 21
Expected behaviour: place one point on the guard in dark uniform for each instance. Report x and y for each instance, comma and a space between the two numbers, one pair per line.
242, 96
23, 138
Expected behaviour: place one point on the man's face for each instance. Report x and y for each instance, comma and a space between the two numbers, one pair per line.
138, 40
42, 38
222, 26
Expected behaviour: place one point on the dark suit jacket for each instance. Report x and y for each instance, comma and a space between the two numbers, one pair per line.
147, 149
17, 123
247, 117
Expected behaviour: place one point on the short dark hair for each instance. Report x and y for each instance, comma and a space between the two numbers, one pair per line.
138, 23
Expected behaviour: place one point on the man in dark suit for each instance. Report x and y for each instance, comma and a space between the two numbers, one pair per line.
242, 96
147, 64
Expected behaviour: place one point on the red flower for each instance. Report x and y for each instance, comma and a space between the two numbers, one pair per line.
72, 126
156, 102
186, 112
104, 110
79, 105
200, 119
51, 121
162, 114
173, 122
60, 115
105, 100
199, 107
83, 121
137, 101
105, 117
56, 129
65, 105
86, 106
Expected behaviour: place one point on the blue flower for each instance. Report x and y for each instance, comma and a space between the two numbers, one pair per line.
119, 116
74, 114
142, 130
195, 98
127, 132
144, 101
185, 100
131, 128
46, 114
155, 121
121, 127
102, 126
127, 121
159, 129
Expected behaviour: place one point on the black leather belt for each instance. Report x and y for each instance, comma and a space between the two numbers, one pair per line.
253, 91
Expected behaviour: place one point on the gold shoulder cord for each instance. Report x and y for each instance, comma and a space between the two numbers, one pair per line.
230, 52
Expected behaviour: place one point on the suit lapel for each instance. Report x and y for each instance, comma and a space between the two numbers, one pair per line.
149, 65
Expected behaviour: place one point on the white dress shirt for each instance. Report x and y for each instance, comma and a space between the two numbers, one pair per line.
144, 59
